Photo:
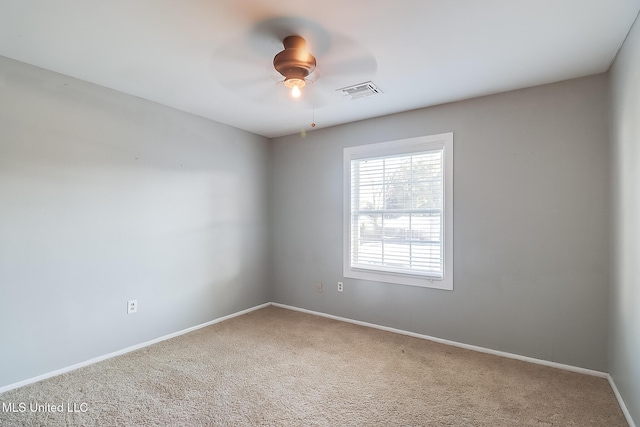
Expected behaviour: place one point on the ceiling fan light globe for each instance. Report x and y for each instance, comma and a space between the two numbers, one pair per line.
294, 82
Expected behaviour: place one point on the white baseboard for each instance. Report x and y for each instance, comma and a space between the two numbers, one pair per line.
126, 350
623, 406
453, 343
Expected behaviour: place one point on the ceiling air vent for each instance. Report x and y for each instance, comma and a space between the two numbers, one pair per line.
361, 90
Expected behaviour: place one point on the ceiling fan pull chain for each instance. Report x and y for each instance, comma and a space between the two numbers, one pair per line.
313, 106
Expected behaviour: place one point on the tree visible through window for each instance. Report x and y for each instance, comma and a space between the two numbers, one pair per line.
396, 219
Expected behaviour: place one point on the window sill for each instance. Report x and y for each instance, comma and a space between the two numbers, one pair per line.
399, 279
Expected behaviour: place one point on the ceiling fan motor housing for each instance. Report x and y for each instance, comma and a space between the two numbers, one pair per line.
294, 62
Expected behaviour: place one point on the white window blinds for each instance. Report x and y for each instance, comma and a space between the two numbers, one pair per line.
396, 208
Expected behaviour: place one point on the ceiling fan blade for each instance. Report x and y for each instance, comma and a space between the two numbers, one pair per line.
258, 89
268, 35
347, 58
351, 66
237, 68
235, 56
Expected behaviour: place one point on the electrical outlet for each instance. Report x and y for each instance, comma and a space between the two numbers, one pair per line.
319, 288
340, 286
132, 306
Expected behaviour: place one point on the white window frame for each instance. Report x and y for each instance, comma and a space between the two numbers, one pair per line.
442, 141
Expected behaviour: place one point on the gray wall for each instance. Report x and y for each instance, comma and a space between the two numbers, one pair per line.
105, 197
624, 356
531, 215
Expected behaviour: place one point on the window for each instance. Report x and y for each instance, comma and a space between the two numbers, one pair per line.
398, 219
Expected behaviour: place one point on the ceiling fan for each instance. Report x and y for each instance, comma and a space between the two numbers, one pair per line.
292, 52
295, 63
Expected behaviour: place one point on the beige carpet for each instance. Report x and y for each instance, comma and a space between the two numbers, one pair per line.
276, 367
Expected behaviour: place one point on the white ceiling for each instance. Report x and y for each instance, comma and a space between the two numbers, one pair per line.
213, 58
